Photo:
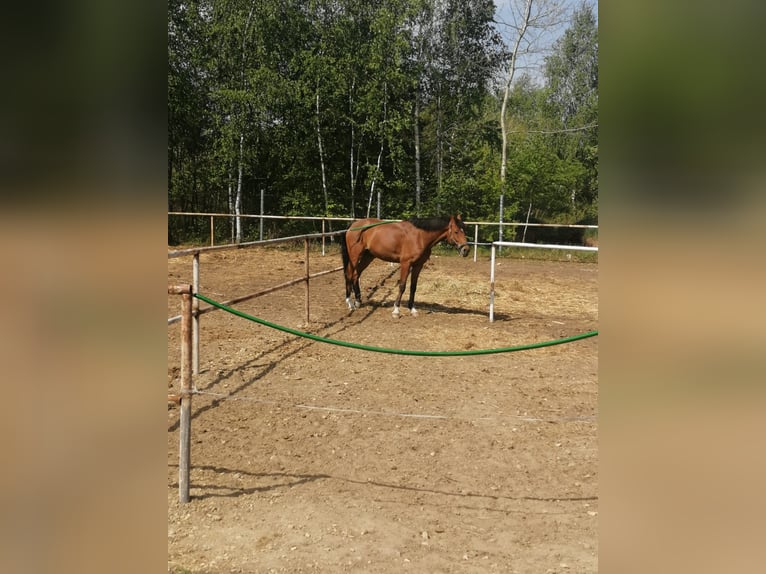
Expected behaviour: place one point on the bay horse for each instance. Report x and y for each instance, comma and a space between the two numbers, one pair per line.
407, 242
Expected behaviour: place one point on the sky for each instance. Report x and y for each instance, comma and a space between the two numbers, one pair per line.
543, 39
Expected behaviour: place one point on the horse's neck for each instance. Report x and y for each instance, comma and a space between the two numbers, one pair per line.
435, 236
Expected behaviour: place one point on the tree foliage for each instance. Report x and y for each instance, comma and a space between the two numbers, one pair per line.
572, 98
319, 106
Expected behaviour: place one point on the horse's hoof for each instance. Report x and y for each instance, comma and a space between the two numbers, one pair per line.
414, 312
395, 313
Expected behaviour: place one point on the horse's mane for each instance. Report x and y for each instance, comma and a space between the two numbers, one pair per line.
432, 223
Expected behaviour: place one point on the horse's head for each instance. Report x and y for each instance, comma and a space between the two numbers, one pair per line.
456, 235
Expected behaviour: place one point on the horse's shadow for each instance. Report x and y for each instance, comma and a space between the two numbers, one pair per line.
448, 309
427, 308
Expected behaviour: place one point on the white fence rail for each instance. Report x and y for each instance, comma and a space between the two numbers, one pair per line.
325, 220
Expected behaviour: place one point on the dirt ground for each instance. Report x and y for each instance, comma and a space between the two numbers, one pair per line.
310, 457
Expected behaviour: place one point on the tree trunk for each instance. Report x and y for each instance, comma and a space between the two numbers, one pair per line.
241, 158
526, 223
238, 200
321, 160
439, 142
380, 155
374, 176
231, 204
507, 91
416, 113
352, 171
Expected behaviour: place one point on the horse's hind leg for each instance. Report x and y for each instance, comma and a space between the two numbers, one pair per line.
348, 274
349, 287
405, 271
353, 293
348, 269
357, 292
413, 286
352, 287
364, 260
353, 299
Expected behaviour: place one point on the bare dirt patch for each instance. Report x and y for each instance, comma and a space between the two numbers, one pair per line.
308, 457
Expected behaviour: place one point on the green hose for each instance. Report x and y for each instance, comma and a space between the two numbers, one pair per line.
363, 227
395, 351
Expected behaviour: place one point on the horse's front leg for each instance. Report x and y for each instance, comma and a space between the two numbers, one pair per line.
405, 271
413, 287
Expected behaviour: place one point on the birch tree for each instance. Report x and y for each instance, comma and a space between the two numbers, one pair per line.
524, 30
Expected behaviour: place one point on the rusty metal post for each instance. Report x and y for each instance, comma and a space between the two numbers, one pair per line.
195, 314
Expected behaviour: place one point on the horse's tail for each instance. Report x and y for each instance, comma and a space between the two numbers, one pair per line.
344, 251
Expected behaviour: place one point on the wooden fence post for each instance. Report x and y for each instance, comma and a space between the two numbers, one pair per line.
306, 250
184, 452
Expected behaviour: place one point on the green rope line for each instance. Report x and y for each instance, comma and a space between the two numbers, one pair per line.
373, 224
395, 351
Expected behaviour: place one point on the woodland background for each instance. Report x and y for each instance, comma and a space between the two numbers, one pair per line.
393, 108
